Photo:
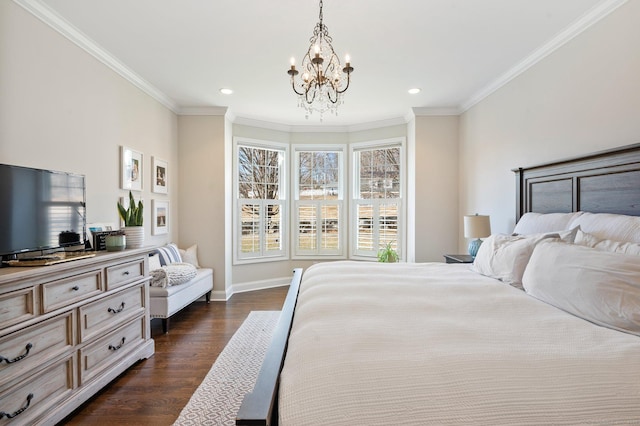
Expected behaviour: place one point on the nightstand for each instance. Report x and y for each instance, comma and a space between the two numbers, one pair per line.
458, 258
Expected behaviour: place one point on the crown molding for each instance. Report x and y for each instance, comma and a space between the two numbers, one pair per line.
388, 122
207, 110
55, 21
305, 128
256, 122
429, 111
594, 15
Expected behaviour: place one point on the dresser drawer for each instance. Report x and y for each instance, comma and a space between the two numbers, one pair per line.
98, 356
33, 346
104, 315
125, 273
39, 394
57, 294
17, 306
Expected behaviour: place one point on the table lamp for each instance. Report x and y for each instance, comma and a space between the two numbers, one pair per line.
476, 226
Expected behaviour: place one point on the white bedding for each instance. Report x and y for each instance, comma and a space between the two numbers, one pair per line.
438, 344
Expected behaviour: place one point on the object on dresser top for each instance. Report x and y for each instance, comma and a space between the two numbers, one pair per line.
50, 259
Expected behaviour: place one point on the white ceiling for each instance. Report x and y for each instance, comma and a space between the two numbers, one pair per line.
457, 51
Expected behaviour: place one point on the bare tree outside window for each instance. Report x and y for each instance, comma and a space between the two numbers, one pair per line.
259, 173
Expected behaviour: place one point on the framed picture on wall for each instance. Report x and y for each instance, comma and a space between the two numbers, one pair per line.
160, 169
159, 217
130, 169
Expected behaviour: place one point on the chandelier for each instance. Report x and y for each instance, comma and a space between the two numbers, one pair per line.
321, 80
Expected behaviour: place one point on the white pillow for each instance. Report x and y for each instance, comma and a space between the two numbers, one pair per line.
154, 262
607, 226
505, 257
601, 287
567, 236
538, 223
190, 255
590, 240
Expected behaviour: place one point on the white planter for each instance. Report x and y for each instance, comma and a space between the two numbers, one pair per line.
135, 236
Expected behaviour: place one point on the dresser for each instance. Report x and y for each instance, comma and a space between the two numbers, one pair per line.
67, 330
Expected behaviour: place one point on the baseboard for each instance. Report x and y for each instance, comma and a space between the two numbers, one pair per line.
218, 296
223, 296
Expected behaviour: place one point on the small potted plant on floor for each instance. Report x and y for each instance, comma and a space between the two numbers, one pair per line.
132, 218
388, 254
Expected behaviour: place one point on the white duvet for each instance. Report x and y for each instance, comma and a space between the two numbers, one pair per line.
437, 344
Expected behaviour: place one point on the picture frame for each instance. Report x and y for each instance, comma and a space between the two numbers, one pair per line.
159, 217
159, 175
131, 170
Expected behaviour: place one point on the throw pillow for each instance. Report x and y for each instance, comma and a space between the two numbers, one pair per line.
190, 255
154, 262
169, 254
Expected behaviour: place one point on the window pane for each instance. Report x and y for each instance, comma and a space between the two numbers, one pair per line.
250, 241
319, 175
259, 173
379, 173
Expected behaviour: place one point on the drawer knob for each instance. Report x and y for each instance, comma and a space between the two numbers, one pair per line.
115, 348
16, 359
125, 273
75, 288
16, 413
118, 310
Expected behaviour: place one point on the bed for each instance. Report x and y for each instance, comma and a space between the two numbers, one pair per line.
542, 329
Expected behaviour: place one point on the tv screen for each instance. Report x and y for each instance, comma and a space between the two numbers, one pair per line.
40, 209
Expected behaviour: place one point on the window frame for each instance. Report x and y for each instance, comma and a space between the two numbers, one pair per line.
355, 200
343, 225
264, 255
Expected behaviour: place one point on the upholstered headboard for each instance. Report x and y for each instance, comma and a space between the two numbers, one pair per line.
602, 182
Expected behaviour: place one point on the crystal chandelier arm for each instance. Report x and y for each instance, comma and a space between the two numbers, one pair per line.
348, 81
293, 86
314, 92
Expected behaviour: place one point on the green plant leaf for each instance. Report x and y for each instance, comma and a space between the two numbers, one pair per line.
131, 216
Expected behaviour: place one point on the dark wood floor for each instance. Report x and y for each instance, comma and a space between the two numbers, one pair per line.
154, 391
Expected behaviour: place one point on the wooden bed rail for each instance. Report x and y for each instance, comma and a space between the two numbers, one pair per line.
260, 406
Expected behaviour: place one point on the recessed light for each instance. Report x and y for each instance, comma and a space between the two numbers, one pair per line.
414, 91
226, 91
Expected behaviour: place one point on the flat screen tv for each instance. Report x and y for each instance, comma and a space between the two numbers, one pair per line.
40, 210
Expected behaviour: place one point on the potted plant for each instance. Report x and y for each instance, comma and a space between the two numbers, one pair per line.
132, 218
388, 254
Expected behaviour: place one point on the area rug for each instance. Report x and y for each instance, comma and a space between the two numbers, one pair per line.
218, 398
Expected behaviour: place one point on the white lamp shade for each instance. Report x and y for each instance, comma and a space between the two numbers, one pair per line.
477, 226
